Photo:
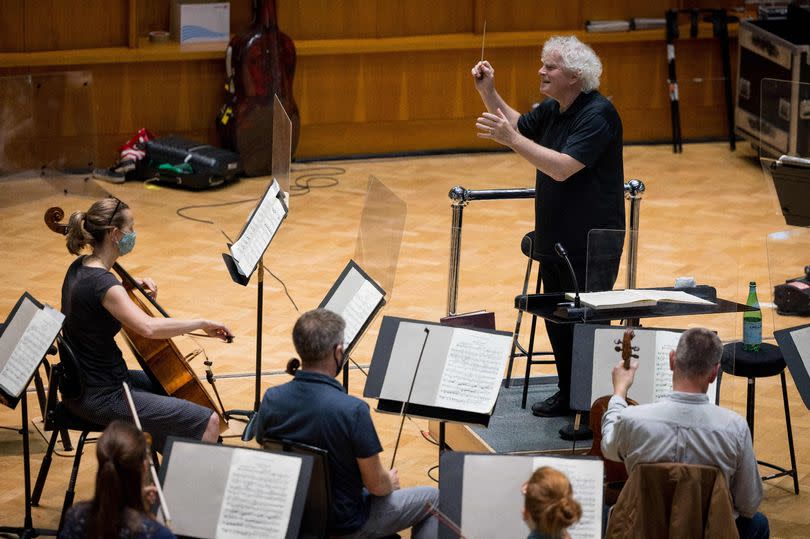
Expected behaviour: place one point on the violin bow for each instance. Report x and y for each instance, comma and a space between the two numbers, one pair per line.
163, 506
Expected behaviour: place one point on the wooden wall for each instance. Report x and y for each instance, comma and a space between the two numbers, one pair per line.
373, 76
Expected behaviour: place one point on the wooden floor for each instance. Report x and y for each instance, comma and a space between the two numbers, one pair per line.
705, 213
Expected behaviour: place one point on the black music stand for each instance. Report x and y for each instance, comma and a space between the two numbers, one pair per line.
240, 275
380, 363
27, 529
190, 466
347, 284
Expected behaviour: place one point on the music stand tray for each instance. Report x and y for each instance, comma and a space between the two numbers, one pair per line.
545, 305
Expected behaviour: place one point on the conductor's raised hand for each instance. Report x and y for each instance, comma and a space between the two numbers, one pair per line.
496, 127
215, 329
623, 378
484, 77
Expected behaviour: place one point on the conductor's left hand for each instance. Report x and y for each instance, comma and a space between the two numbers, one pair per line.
496, 127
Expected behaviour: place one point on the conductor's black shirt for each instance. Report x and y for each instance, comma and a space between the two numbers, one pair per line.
590, 131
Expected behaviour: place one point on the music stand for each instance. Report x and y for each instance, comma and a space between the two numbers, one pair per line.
358, 299
26, 336
594, 357
191, 466
246, 255
394, 368
475, 487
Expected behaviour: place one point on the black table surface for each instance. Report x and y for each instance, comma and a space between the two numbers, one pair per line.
545, 305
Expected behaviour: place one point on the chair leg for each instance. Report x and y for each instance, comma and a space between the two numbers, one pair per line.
43, 469
529, 353
794, 472
530, 350
516, 334
749, 406
71, 490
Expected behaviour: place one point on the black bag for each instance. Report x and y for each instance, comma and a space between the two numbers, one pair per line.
793, 297
210, 166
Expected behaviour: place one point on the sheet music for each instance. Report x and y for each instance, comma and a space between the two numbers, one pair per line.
360, 306
262, 226
585, 476
30, 347
492, 502
472, 375
258, 495
665, 342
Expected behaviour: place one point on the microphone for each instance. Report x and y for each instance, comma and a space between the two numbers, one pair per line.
561, 252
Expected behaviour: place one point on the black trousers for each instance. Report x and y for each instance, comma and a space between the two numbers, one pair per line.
554, 274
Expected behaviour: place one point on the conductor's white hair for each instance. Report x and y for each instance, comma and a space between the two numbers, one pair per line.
577, 58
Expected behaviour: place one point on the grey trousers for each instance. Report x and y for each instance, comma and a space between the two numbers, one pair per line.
402, 509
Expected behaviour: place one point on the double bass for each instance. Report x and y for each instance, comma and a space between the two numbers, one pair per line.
260, 63
160, 359
615, 472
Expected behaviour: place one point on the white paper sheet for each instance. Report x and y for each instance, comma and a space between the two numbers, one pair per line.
472, 375
358, 308
259, 495
585, 476
263, 225
29, 349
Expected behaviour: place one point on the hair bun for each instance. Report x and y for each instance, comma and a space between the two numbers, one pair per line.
567, 511
293, 365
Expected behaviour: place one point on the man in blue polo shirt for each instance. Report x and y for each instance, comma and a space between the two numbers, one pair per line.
314, 409
574, 140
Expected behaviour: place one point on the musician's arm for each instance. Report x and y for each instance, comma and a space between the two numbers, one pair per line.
378, 480
611, 427
119, 304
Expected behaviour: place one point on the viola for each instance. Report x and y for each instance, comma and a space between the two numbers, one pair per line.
615, 472
260, 63
160, 359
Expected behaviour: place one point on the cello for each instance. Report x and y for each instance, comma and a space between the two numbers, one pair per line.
259, 63
160, 359
615, 472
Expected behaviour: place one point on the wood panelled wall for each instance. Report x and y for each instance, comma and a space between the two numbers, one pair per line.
373, 76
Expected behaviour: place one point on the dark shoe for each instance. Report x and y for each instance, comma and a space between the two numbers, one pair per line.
554, 406
584, 432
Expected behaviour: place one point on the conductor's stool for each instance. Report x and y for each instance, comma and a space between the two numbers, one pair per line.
768, 361
527, 246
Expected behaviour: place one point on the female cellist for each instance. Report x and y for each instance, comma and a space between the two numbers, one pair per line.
96, 305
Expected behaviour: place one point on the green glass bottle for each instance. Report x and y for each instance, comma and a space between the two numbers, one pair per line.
752, 321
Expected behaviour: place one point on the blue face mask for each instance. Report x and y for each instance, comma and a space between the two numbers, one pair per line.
126, 243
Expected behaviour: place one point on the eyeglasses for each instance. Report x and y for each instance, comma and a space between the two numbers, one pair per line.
117, 205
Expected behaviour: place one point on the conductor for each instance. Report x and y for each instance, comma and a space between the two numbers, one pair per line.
574, 140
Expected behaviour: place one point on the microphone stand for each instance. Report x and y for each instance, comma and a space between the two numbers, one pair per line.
577, 310
408, 400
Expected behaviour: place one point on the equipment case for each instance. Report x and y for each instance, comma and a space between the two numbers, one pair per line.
775, 49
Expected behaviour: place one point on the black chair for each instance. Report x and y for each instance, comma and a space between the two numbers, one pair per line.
315, 522
768, 361
527, 247
65, 379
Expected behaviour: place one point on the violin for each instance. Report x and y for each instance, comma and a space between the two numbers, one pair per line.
615, 472
259, 63
160, 359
